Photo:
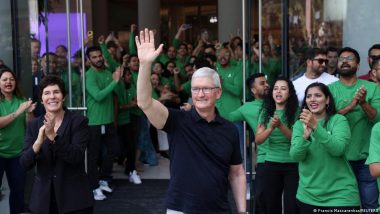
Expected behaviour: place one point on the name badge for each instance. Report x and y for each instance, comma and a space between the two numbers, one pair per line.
102, 129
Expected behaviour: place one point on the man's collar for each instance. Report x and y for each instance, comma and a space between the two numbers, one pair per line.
198, 118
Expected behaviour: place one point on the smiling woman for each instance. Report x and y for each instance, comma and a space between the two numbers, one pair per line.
319, 141
56, 143
14, 110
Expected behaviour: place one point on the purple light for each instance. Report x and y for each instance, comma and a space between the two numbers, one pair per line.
57, 32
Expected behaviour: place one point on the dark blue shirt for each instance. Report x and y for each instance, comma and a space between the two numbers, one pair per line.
201, 153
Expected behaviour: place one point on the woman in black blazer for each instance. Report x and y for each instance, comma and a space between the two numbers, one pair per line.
56, 143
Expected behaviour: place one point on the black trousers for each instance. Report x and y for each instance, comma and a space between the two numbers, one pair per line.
310, 209
101, 138
280, 179
259, 188
128, 144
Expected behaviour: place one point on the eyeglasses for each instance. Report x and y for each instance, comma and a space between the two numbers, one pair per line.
347, 58
196, 90
374, 57
321, 61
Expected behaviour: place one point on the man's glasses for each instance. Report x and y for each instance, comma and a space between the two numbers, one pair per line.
347, 58
196, 90
321, 61
374, 57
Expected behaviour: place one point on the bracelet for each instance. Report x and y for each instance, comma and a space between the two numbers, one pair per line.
13, 115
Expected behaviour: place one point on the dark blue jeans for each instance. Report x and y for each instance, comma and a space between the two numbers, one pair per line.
368, 188
16, 181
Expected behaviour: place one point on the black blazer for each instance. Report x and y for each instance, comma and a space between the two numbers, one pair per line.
60, 165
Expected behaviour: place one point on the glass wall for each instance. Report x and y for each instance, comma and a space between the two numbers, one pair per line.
318, 23
14, 41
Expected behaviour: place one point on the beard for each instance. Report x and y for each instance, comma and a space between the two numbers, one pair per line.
98, 65
347, 72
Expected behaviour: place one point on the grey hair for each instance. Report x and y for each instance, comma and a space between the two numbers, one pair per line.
207, 72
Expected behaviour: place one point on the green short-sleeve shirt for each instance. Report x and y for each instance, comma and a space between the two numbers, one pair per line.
12, 135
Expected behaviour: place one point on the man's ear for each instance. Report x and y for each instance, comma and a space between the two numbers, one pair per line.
219, 93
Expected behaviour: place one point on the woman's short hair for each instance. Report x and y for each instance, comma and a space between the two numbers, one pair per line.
52, 80
207, 72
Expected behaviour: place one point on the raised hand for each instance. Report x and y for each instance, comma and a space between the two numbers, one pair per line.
176, 71
88, 39
101, 39
145, 47
133, 27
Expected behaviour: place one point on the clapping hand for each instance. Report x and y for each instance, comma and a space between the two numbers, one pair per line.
308, 119
49, 123
275, 122
26, 105
309, 122
306, 131
117, 74
360, 95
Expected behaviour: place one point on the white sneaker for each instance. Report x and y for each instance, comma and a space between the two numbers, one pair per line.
103, 185
98, 195
134, 177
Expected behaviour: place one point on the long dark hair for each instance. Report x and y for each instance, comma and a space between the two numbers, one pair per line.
291, 105
17, 92
330, 108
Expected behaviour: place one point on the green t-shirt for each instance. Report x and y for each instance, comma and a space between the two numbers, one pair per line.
76, 88
232, 83
374, 150
168, 81
123, 97
99, 87
111, 62
12, 135
133, 91
360, 125
250, 112
278, 143
132, 44
326, 177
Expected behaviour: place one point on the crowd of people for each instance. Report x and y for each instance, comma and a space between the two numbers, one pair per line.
317, 135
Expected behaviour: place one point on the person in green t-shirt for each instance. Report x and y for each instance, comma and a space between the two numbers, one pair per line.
319, 141
280, 110
374, 155
250, 112
14, 111
232, 82
100, 84
125, 129
359, 101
